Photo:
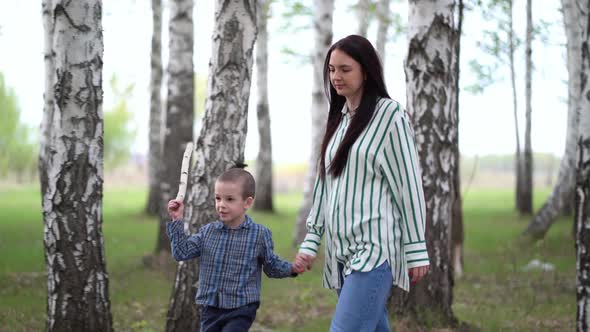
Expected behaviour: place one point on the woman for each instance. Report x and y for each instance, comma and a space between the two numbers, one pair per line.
368, 194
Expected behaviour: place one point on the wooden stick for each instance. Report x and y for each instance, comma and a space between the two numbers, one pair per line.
186, 161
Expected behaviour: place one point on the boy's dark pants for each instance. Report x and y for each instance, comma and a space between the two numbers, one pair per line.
228, 320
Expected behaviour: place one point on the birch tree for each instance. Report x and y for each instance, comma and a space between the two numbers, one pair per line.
220, 144
49, 62
155, 123
264, 170
71, 168
178, 123
527, 160
322, 23
457, 232
518, 155
564, 187
501, 43
362, 13
384, 20
430, 89
582, 205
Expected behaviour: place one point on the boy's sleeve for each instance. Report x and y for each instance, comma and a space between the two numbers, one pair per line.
184, 246
401, 168
272, 265
315, 221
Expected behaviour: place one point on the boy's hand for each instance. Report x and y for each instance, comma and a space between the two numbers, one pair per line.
175, 209
417, 273
298, 267
304, 261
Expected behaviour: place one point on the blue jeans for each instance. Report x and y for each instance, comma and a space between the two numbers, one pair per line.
362, 302
228, 320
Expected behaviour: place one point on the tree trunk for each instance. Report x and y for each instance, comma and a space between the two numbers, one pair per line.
264, 170
220, 144
48, 97
362, 12
384, 18
582, 208
155, 134
322, 23
563, 193
71, 169
527, 167
430, 87
457, 234
178, 123
517, 156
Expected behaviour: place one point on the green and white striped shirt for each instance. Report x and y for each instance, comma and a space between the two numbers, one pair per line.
374, 211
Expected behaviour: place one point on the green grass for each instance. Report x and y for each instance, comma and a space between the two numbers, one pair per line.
495, 294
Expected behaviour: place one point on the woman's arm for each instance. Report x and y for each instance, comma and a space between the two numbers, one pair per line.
402, 170
315, 221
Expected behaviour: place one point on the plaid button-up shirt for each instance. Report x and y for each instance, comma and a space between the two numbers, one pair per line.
231, 260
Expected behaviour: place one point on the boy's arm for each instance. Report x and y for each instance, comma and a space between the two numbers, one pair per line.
272, 265
184, 246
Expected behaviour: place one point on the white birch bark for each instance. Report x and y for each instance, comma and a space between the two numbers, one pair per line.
220, 144
582, 205
384, 20
155, 123
49, 59
527, 160
362, 13
430, 88
564, 187
178, 123
457, 231
71, 170
264, 170
322, 23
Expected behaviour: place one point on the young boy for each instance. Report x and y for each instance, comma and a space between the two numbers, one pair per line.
233, 251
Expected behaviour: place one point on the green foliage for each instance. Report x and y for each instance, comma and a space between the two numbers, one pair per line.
495, 43
484, 76
297, 8
17, 153
200, 94
397, 27
118, 131
297, 17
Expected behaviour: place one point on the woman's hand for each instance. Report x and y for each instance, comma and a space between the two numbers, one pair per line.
417, 273
304, 261
175, 209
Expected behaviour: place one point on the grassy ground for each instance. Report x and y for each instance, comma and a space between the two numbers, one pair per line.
495, 294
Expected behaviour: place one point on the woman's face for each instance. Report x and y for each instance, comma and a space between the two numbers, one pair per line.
346, 75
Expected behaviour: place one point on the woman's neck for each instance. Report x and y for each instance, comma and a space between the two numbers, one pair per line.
353, 102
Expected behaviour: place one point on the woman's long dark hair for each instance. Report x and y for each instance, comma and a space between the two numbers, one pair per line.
361, 50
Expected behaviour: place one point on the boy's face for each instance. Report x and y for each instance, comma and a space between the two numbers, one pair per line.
229, 203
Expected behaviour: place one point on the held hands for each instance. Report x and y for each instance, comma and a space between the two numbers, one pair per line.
302, 263
417, 273
175, 209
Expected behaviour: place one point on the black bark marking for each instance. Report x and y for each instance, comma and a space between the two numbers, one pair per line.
60, 9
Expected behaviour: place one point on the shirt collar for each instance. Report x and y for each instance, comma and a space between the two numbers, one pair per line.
344, 109
219, 224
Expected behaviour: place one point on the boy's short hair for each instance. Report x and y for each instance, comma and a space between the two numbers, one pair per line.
238, 173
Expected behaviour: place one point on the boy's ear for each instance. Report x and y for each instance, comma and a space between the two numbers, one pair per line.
249, 202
